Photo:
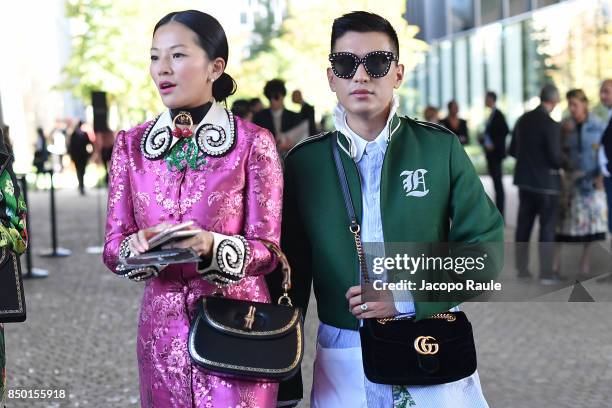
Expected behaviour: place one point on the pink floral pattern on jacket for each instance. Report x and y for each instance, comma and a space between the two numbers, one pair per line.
239, 193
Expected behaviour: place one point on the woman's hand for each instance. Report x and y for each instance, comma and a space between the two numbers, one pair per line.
376, 310
139, 242
202, 243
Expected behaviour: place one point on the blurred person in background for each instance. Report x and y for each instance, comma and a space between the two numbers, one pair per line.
59, 143
80, 149
431, 114
493, 141
307, 111
536, 145
582, 210
255, 106
455, 124
603, 108
41, 155
278, 119
605, 152
240, 108
104, 142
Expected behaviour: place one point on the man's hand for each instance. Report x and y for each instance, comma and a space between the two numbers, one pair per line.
376, 310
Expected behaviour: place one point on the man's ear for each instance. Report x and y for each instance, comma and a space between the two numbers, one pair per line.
331, 79
399, 75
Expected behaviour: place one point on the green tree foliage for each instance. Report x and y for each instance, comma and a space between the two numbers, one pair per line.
110, 43
264, 31
539, 65
573, 49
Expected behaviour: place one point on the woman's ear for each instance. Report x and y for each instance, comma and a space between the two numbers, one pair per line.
217, 68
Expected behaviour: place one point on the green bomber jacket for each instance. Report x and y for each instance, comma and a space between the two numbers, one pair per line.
451, 207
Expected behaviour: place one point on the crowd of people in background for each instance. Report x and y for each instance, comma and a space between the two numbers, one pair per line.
76, 140
287, 126
561, 171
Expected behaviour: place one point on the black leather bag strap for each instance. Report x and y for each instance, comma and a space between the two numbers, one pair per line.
346, 192
354, 227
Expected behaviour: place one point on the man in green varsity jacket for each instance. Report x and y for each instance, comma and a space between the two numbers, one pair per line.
409, 181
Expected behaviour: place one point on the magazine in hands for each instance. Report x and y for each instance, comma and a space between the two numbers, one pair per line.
159, 254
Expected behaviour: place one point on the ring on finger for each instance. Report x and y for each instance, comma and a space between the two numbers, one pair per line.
363, 307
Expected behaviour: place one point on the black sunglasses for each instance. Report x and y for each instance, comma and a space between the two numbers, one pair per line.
376, 63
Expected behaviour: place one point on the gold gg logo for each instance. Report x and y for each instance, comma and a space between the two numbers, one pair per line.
422, 346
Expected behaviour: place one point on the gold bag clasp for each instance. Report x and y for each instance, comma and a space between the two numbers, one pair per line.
249, 319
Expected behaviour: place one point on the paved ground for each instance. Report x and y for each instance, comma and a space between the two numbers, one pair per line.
81, 328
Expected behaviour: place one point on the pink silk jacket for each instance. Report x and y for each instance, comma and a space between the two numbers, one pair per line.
235, 191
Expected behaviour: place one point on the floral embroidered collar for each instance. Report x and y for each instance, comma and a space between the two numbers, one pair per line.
215, 136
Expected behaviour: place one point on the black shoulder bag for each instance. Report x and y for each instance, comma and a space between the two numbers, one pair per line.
249, 340
401, 351
12, 297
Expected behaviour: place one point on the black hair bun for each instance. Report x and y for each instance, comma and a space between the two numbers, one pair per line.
223, 87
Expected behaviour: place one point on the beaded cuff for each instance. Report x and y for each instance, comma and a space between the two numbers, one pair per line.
124, 248
230, 256
142, 274
136, 274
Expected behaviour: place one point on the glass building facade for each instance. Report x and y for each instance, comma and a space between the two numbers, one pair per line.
511, 47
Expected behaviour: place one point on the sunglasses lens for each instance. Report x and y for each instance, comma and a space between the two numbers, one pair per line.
344, 65
378, 64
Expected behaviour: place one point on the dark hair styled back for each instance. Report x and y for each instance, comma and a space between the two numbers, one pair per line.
492, 95
363, 22
211, 38
274, 88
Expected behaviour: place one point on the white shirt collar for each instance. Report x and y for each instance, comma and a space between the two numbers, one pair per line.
357, 144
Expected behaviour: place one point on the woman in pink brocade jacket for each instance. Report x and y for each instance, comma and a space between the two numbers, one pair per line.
221, 173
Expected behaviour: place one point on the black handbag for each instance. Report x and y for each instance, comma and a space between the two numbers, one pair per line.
12, 298
436, 350
249, 340
400, 350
